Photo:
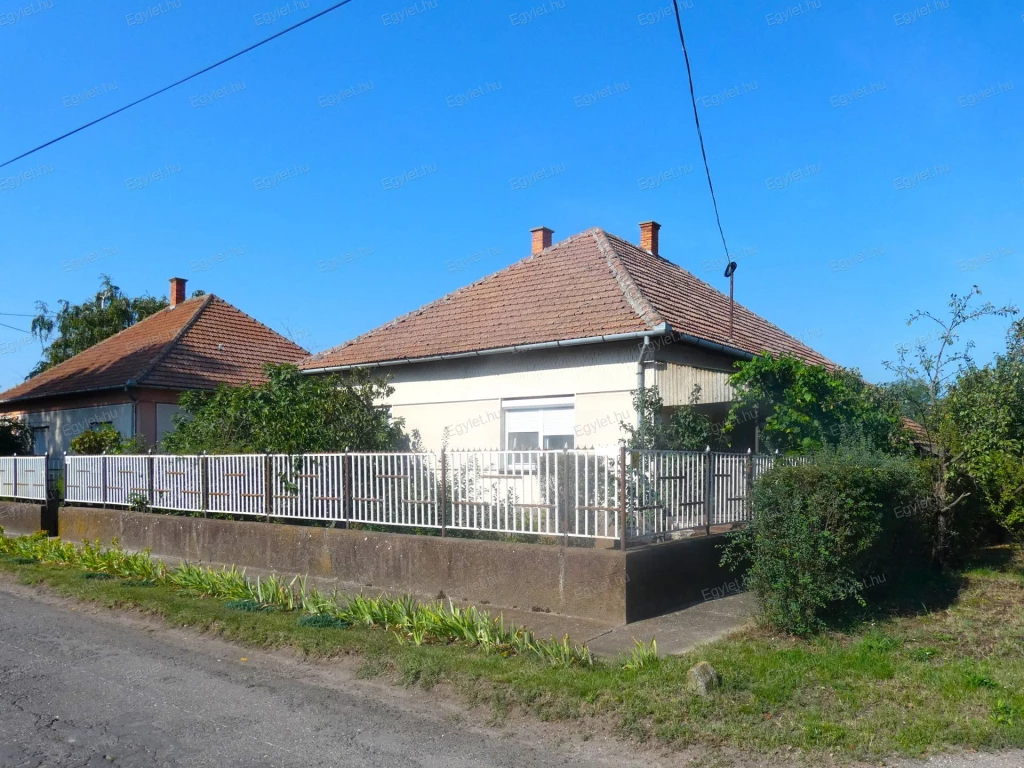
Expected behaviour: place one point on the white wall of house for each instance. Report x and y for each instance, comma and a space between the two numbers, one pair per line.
493, 401
474, 397
53, 430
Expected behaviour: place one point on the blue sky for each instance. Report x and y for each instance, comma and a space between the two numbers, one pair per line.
867, 156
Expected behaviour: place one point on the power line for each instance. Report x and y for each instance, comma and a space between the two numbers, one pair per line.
19, 330
16, 314
179, 82
700, 136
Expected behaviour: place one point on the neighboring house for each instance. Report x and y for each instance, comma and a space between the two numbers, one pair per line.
133, 380
546, 352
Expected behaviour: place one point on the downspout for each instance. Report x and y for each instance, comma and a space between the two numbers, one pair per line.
640, 380
135, 407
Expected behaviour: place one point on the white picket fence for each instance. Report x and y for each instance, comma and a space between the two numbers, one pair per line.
587, 494
23, 477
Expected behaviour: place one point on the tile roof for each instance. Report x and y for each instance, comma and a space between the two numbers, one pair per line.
199, 344
591, 284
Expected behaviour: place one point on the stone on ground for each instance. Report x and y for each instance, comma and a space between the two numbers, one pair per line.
702, 678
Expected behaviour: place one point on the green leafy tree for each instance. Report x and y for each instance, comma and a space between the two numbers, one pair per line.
808, 407
982, 426
290, 413
15, 437
939, 359
76, 327
686, 429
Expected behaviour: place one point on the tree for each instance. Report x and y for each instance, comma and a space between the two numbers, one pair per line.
982, 425
80, 326
15, 437
808, 407
685, 430
938, 360
290, 413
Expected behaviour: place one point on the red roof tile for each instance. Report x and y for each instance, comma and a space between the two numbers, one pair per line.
199, 344
592, 284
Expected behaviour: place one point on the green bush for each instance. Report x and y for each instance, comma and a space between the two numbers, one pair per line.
822, 533
104, 439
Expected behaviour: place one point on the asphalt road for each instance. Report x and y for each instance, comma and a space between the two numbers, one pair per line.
81, 686
85, 687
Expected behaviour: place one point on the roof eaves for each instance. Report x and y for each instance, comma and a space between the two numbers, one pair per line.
29, 397
662, 329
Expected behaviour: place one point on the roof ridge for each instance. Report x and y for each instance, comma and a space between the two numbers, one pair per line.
162, 355
710, 287
636, 298
110, 339
451, 294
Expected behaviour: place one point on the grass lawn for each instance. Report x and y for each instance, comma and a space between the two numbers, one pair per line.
941, 667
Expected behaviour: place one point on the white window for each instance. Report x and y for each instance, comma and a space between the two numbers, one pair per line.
539, 424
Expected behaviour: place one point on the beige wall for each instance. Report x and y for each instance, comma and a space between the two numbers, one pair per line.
680, 367
467, 395
65, 418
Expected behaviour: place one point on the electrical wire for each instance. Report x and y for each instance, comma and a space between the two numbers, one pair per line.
700, 135
178, 82
19, 330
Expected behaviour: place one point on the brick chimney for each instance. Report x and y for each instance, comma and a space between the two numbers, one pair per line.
541, 239
177, 290
649, 236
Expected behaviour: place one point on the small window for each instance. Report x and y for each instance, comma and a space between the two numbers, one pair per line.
548, 423
39, 435
523, 441
558, 442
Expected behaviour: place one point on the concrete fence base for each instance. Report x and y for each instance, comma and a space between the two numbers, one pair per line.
25, 518
601, 584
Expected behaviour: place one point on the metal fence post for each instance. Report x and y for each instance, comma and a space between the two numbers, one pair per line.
709, 493
565, 497
748, 471
150, 472
268, 486
204, 483
346, 489
14, 489
103, 478
623, 530
443, 510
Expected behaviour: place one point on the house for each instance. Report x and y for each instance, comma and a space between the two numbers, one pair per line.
547, 352
133, 380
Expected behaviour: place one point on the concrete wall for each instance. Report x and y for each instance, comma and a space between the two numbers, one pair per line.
23, 518
588, 583
598, 584
667, 576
